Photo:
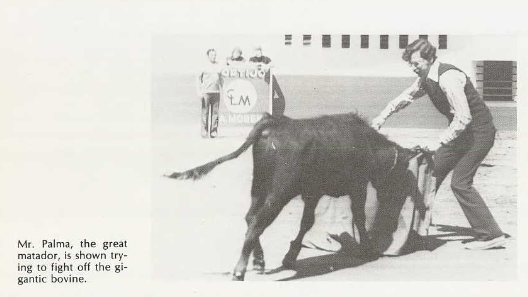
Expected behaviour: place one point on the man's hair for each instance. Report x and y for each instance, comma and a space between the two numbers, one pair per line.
426, 49
210, 50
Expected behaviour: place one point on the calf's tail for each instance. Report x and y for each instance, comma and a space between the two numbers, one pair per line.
200, 171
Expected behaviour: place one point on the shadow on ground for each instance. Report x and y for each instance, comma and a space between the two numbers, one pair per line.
348, 258
452, 233
322, 265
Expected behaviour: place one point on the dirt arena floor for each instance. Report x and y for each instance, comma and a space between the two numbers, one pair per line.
198, 227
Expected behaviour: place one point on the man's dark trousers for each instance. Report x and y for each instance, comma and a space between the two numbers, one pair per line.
210, 106
464, 156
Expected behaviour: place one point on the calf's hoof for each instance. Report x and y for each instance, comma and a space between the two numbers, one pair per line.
238, 276
288, 263
259, 265
291, 256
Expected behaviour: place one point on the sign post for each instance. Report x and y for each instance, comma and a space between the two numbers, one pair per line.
245, 97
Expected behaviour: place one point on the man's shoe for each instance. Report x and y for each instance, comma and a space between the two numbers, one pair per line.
487, 244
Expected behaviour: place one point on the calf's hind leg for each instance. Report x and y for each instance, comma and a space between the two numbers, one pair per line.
358, 197
258, 252
265, 215
307, 221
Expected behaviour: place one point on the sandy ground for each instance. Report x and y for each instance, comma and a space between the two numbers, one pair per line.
198, 227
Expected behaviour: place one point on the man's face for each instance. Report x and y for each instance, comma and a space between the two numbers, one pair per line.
258, 53
419, 65
212, 56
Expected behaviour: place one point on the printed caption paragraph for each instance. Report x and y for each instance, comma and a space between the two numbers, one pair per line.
52, 261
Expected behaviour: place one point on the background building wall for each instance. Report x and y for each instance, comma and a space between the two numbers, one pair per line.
185, 53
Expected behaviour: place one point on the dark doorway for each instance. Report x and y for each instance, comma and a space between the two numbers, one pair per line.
497, 80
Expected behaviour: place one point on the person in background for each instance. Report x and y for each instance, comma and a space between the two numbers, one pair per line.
236, 57
209, 84
464, 144
263, 62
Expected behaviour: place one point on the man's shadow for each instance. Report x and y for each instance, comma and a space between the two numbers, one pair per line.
454, 233
349, 256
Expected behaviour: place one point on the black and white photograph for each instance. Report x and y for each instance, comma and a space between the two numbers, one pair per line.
262, 148
334, 157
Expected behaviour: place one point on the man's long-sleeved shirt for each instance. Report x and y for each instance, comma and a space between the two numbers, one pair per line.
452, 83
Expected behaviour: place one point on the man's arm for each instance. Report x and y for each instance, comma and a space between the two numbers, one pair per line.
452, 82
412, 93
221, 82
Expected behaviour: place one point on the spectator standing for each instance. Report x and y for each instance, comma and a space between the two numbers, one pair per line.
209, 85
263, 62
259, 58
236, 57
